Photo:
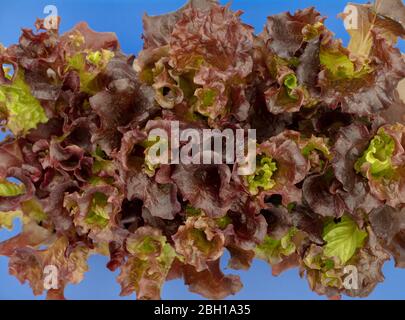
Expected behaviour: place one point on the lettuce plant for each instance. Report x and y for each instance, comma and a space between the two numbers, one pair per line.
328, 192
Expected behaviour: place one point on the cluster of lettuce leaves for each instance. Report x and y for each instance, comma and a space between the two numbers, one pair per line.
328, 191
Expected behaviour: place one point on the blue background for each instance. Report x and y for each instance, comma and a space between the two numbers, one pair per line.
124, 18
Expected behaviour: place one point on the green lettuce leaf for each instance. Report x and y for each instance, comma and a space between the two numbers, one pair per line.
262, 178
33, 209
272, 250
97, 214
100, 59
23, 112
193, 212
291, 83
340, 66
223, 222
378, 155
316, 144
343, 239
89, 66
10, 189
